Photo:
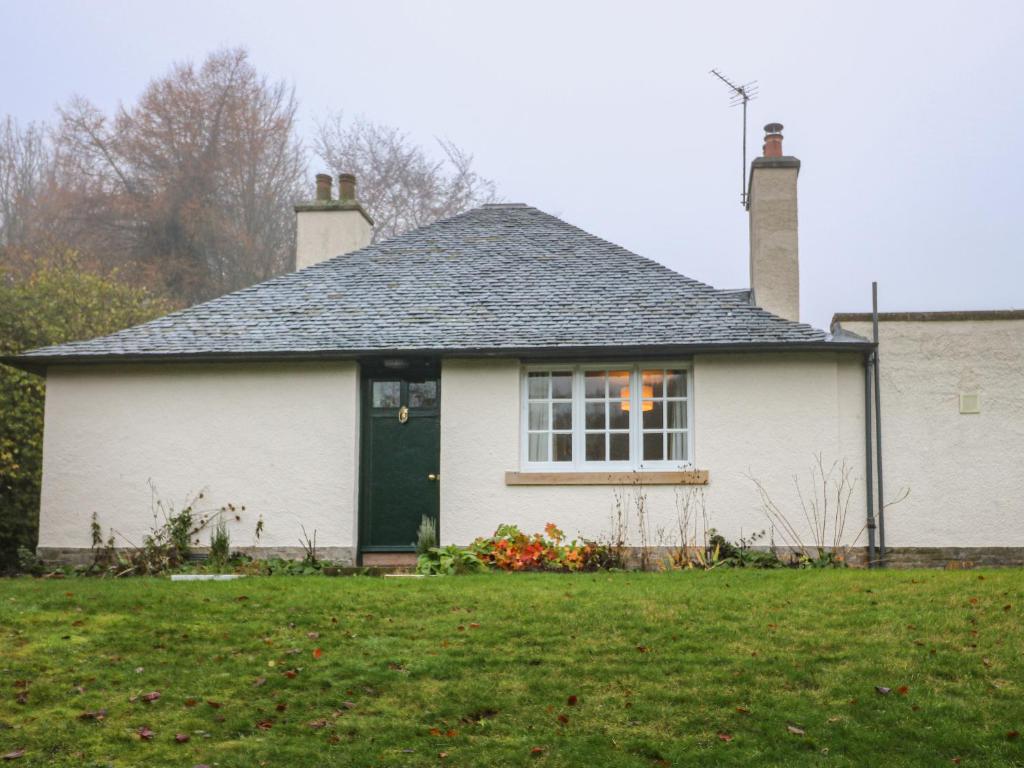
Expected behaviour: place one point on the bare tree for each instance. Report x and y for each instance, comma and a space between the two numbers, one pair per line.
25, 163
191, 188
400, 184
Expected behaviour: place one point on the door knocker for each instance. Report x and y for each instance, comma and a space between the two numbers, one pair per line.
403, 414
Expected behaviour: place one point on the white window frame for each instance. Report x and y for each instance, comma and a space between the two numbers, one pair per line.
579, 462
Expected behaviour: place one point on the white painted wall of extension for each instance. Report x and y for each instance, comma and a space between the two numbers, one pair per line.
963, 470
764, 416
279, 439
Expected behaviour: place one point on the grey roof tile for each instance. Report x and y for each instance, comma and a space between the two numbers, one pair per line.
504, 276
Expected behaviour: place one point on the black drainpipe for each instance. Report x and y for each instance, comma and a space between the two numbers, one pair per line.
867, 459
878, 428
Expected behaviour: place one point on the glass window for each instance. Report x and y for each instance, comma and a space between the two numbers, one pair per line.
422, 394
549, 416
386, 394
606, 411
664, 405
635, 416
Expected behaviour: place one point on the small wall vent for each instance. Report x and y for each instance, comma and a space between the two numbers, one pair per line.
970, 403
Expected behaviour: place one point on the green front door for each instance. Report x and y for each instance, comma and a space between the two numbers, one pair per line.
401, 443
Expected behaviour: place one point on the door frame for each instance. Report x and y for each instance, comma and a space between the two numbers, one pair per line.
411, 370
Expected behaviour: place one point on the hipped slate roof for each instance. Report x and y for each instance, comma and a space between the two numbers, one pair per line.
501, 278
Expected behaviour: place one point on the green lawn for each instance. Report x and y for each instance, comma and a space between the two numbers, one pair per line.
535, 670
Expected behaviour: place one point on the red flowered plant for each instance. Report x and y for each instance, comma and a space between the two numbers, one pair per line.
509, 549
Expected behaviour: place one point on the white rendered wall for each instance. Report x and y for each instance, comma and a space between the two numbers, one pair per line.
766, 416
280, 439
964, 471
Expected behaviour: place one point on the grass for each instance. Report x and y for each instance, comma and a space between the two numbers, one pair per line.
666, 669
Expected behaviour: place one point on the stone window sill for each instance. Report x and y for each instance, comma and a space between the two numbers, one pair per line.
690, 477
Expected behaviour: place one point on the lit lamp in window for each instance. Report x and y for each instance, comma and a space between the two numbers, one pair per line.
646, 391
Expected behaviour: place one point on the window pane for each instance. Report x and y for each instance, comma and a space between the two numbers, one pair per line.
595, 447
538, 385
539, 416
652, 384
677, 446
561, 415
539, 446
619, 446
561, 384
618, 381
386, 394
562, 448
422, 394
653, 450
676, 414
595, 415
675, 383
653, 415
618, 415
594, 383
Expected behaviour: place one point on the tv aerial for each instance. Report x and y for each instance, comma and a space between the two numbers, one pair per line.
741, 95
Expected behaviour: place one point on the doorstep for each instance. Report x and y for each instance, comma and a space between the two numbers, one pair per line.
389, 559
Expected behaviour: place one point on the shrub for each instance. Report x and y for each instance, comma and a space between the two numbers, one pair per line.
426, 535
509, 549
52, 306
220, 543
449, 561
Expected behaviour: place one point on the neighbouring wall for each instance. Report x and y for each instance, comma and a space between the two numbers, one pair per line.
762, 416
280, 439
963, 471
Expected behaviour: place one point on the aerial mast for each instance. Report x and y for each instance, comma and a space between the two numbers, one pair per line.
741, 95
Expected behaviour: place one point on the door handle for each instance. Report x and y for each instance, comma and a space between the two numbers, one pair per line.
433, 476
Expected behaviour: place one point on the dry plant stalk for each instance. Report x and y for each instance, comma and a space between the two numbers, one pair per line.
825, 504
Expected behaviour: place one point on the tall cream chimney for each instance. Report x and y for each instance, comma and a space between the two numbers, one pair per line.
774, 255
326, 227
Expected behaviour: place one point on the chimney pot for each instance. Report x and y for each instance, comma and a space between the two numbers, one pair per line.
323, 188
773, 140
347, 187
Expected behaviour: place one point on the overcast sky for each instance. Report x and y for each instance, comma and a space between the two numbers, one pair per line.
907, 117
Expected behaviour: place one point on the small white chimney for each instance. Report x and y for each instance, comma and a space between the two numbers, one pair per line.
774, 254
326, 228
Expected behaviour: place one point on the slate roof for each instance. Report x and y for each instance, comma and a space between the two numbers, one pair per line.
503, 277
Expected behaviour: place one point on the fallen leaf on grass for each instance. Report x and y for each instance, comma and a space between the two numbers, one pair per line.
98, 714
291, 674
214, 704
796, 731
563, 719
181, 738
318, 723
442, 755
881, 689
317, 653
280, 706
1013, 735
151, 696
723, 736
313, 635
536, 751
903, 690
743, 710
22, 698
474, 625
190, 702
259, 681
13, 755
571, 701
145, 734
265, 725
643, 648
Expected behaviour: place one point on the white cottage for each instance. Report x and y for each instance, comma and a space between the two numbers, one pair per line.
505, 366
